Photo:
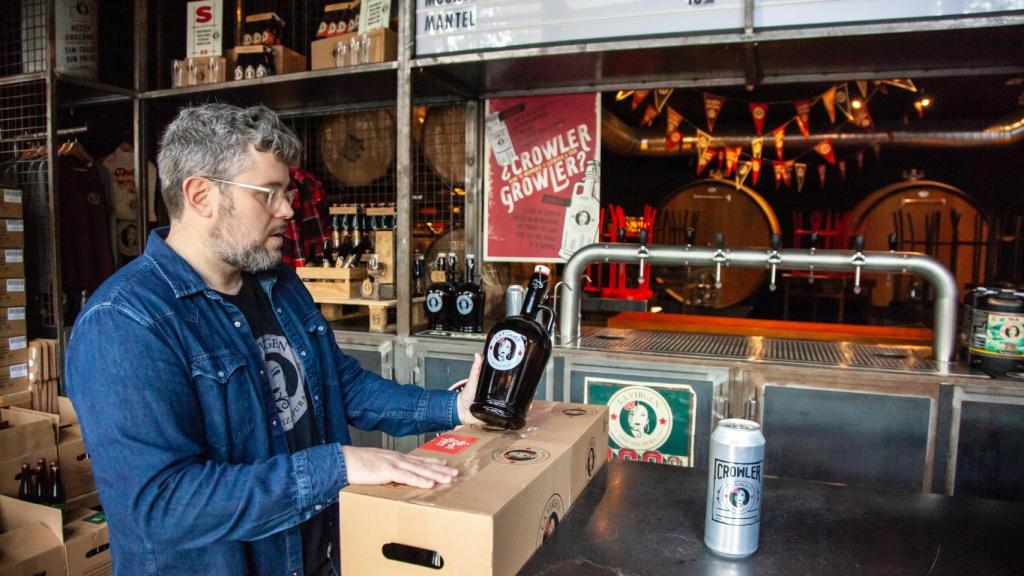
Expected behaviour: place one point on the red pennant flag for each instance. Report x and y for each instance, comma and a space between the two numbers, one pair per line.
704, 160
732, 155
638, 98
862, 85
787, 176
842, 170
742, 170
756, 146
780, 172
902, 83
843, 100
721, 159
649, 115
803, 117
826, 150
822, 169
759, 112
801, 173
673, 140
780, 140
712, 108
829, 100
672, 135
755, 170
661, 96
862, 118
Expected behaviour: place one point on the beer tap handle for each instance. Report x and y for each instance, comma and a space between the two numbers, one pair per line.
719, 258
892, 242
814, 246
690, 234
858, 261
643, 254
620, 236
643, 237
774, 259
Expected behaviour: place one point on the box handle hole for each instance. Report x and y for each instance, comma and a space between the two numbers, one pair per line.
413, 555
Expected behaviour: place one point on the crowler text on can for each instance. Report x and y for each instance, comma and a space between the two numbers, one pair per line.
735, 480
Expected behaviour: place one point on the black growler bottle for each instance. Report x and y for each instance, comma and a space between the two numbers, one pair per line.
439, 296
469, 301
27, 485
56, 496
515, 355
42, 482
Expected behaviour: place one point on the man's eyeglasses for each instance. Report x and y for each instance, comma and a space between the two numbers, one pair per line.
274, 195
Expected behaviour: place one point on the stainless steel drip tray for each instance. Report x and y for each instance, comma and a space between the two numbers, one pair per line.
757, 349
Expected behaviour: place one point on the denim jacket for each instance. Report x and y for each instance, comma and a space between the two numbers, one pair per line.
192, 466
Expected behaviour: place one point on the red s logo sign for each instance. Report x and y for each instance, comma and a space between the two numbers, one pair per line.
204, 14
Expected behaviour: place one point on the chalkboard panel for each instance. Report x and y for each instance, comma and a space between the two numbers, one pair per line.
990, 454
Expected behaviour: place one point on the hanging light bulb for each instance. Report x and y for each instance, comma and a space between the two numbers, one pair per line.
925, 102
857, 104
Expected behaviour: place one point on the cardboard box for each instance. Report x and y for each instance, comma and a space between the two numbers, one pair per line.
68, 416
513, 488
12, 233
29, 438
75, 465
35, 541
12, 322
286, 60
383, 48
31, 538
10, 203
12, 263
12, 292
13, 350
198, 71
14, 378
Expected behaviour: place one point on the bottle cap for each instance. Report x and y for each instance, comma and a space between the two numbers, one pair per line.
542, 269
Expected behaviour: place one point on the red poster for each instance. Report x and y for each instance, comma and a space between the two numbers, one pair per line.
537, 149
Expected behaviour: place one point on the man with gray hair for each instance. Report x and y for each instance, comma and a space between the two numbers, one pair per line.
214, 401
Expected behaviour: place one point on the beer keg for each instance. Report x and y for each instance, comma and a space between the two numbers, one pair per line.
358, 147
712, 206
444, 142
927, 217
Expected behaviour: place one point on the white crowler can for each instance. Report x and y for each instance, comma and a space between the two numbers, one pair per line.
735, 480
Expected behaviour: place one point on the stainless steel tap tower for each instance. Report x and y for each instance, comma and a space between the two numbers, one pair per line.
774, 259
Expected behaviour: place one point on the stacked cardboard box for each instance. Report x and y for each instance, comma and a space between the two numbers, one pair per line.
30, 437
512, 490
71, 455
13, 329
44, 374
35, 539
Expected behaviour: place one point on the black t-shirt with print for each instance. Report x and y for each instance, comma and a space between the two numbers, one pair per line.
294, 412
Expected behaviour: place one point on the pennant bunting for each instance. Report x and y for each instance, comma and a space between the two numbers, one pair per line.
842, 170
862, 86
732, 155
787, 176
755, 170
649, 115
780, 140
638, 98
712, 108
843, 100
801, 173
829, 100
756, 146
780, 172
673, 140
661, 96
703, 150
827, 151
803, 117
623, 94
902, 83
742, 171
822, 170
672, 135
862, 118
705, 159
881, 87
758, 111
721, 160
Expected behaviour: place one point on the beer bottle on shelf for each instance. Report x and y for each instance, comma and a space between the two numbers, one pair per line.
56, 495
469, 301
26, 486
42, 481
335, 238
418, 269
439, 297
517, 351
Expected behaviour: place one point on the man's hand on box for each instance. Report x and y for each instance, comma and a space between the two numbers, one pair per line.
378, 466
468, 392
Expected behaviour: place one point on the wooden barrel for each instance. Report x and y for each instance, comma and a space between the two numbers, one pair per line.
879, 215
358, 147
444, 142
714, 205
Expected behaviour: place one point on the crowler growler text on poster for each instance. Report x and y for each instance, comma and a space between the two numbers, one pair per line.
537, 151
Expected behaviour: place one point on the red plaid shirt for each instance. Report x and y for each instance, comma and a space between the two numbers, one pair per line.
307, 230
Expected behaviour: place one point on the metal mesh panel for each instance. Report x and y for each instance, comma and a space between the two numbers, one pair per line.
23, 124
438, 178
23, 46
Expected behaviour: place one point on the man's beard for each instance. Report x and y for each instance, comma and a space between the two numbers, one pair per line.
252, 257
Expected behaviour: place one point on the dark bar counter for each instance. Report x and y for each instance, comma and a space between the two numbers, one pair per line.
639, 519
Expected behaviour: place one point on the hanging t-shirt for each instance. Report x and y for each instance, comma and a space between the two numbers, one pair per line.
85, 252
120, 164
288, 384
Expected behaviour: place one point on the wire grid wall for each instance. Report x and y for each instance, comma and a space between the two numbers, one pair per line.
352, 153
23, 126
439, 178
23, 45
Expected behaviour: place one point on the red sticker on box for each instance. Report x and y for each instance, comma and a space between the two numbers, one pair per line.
449, 444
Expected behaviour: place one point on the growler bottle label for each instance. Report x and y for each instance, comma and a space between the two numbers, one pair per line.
434, 302
506, 350
580, 225
464, 304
